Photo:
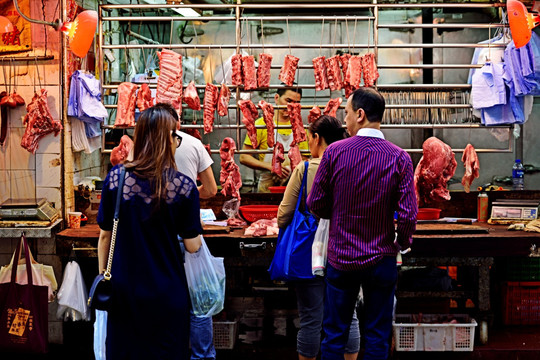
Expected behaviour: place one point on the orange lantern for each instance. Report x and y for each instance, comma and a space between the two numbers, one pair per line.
80, 32
521, 22
5, 25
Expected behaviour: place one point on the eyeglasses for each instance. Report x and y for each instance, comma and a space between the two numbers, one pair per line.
178, 139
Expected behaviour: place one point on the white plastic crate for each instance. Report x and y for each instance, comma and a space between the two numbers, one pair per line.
224, 334
430, 334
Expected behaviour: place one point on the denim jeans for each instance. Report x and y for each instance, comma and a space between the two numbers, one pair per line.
378, 284
201, 338
310, 298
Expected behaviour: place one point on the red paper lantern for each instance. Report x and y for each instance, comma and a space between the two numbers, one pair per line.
80, 32
5, 25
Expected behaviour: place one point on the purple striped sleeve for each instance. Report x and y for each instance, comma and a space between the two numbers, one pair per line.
407, 204
319, 201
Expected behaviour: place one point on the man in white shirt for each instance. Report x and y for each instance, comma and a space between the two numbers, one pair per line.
193, 160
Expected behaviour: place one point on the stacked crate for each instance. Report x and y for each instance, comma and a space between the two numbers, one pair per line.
521, 291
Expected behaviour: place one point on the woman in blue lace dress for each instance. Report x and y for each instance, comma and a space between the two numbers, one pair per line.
149, 318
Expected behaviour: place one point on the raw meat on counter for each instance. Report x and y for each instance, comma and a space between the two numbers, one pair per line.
125, 109
332, 107
294, 156
144, 97
370, 69
170, 79
223, 102
472, 167
236, 64
263, 71
250, 113
278, 158
297, 125
314, 114
249, 72
120, 153
354, 71
211, 95
263, 227
435, 168
191, 96
236, 223
268, 116
38, 121
333, 72
319, 70
229, 176
288, 70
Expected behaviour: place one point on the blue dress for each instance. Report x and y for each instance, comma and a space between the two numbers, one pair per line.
149, 318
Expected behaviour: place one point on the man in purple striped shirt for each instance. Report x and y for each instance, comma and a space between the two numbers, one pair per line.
360, 183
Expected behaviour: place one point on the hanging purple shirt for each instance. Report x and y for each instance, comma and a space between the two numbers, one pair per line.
360, 183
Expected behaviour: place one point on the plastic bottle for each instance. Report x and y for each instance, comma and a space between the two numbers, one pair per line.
518, 174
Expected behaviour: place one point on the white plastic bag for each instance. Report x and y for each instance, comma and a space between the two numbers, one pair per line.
320, 247
206, 281
72, 296
100, 334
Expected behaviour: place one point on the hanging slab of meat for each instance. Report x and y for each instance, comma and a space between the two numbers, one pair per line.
333, 71
223, 101
297, 125
144, 97
314, 114
250, 113
250, 73
354, 71
319, 70
120, 153
211, 95
332, 107
229, 176
288, 70
236, 64
39, 122
472, 167
125, 110
294, 156
278, 158
170, 80
12, 100
191, 96
370, 69
268, 116
435, 168
344, 61
263, 71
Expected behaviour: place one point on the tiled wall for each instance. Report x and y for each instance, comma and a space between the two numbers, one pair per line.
23, 174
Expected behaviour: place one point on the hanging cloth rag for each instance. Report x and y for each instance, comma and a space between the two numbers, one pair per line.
85, 103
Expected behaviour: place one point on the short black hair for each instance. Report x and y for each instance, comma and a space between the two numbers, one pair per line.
371, 101
169, 108
282, 91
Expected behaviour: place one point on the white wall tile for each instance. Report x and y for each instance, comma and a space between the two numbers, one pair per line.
4, 185
5, 152
49, 144
48, 170
51, 194
20, 158
23, 185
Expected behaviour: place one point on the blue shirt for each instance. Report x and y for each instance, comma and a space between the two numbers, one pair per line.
85, 102
488, 88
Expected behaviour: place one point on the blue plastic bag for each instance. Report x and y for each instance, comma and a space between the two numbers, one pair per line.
292, 259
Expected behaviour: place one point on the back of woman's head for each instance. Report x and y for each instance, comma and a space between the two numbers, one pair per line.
153, 146
329, 128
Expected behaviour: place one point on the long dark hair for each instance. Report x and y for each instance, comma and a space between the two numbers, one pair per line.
153, 156
329, 128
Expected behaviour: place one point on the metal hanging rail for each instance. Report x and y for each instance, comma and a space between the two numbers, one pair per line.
372, 45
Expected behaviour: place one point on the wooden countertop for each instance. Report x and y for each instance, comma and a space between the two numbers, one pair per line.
429, 239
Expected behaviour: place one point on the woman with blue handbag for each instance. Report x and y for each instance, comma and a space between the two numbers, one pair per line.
310, 291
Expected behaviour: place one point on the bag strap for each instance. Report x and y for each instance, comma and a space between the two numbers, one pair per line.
304, 184
107, 275
22, 241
